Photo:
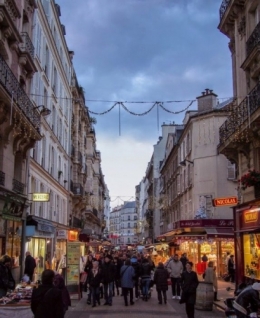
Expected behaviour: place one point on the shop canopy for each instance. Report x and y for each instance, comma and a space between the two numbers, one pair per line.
220, 232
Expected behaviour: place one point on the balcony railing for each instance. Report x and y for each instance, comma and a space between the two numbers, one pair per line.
76, 188
13, 88
18, 186
253, 40
240, 114
27, 45
223, 8
2, 178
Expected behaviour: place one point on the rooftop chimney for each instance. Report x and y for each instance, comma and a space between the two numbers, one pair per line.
207, 100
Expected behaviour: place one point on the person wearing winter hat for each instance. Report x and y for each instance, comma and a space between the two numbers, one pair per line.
108, 272
247, 302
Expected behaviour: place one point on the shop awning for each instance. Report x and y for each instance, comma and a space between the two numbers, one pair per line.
220, 232
42, 225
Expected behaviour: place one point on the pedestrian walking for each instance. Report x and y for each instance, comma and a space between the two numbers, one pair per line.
127, 274
30, 265
94, 281
137, 268
231, 268
46, 300
60, 284
161, 281
108, 272
211, 277
184, 259
146, 270
175, 268
189, 284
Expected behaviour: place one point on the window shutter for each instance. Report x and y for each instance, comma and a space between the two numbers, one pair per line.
231, 171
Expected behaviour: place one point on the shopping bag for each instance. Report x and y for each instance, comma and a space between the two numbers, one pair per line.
83, 277
169, 281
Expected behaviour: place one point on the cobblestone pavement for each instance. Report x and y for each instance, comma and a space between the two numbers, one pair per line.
142, 309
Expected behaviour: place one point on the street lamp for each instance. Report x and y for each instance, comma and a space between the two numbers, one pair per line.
183, 163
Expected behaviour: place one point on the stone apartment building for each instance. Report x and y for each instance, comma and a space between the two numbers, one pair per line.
192, 175
50, 159
114, 225
20, 124
239, 134
128, 223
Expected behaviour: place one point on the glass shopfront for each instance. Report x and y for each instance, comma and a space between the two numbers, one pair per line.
37, 248
13, 241
252, 255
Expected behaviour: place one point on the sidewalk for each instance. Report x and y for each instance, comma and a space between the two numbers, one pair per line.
223, 293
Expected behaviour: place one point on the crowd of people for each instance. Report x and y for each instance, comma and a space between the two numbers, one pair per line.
103, 276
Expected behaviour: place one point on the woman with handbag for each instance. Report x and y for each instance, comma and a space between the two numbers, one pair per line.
6, 278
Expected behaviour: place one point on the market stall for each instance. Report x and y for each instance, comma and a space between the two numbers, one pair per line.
17, 304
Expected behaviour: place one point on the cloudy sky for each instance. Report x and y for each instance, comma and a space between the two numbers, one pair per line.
143, 50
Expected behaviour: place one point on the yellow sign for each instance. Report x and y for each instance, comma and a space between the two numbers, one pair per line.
250, 216
224, 201
41, 197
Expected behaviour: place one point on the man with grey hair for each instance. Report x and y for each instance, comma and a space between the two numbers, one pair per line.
30, 265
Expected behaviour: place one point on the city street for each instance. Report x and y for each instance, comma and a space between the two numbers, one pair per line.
141, 308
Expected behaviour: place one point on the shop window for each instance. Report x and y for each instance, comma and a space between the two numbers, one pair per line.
13, 241
37, 248
252, 255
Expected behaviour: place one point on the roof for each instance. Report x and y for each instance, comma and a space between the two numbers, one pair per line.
128, 205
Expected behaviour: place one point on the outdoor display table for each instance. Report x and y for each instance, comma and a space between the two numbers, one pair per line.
16, 311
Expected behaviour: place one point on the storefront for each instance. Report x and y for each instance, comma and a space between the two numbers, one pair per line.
212, 237
60, 248
247, 241
12, 207
39, 242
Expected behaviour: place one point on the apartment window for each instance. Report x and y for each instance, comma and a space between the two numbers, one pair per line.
231, 171
135, 217
128, 217
47, 61
43, 154
128, 231
54, 82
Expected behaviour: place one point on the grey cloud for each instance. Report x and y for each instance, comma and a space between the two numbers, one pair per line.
146, 50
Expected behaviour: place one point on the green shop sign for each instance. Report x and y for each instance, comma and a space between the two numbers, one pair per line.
13, 208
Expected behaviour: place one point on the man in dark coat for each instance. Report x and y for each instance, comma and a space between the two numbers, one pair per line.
108, 272
30, 265
189, 283
46, 299
161, 281
94, 280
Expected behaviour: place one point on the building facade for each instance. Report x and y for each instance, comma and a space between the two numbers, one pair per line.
239, 134
114, 225
192, 175
128, 224
19, 124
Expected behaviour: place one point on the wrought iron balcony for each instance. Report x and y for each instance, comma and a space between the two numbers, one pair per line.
254, 40
13, 88
18, 186
223, 8
27, 45
241, 113
2, 178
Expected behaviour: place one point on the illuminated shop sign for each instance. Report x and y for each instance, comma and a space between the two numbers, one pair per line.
219, 202
41, 197
251, 216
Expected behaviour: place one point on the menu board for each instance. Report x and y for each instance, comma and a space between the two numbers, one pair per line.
73, 260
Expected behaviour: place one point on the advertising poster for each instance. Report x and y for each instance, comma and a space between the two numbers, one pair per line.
73, 274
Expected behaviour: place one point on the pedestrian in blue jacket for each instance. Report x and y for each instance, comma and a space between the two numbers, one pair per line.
127, 274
